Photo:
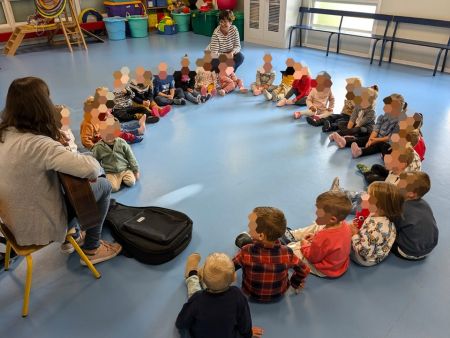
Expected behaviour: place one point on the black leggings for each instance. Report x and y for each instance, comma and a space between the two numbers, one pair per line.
129, 113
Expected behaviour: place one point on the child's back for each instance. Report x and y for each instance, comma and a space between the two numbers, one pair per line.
226, 314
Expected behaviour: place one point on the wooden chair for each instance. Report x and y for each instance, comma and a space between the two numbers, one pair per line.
27, 251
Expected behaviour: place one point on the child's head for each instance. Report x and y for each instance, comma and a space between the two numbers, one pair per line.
109, 130
395, 105
384, 199
332, 207
323, 81
399, 159
414, 184
62, 117
266, 224
218, 272
352, 84
418, 121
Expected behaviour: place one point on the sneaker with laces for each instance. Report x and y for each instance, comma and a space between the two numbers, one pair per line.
104, 252
177, 101
68, 248
267, 95
150, 119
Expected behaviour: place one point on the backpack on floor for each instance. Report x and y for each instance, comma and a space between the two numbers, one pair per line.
152, 235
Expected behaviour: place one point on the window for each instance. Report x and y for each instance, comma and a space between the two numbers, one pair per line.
354, 24
2, 14
22, 9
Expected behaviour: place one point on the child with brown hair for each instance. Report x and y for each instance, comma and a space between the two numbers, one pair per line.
265, 262
325, 245
214, 308
372, 243
417, 232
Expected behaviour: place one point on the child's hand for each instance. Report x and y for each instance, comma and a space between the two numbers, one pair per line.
257, 332
146, 103
309, 237
137, 175
190, 90
354, 228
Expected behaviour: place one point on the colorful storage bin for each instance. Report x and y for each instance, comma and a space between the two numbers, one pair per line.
183, 21
115, 27
124, 8
138, 25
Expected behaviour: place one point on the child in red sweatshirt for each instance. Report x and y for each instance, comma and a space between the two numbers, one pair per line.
325, 246
300, 89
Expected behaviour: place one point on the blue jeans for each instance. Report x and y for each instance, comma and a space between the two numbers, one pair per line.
238, 60
130, 127
102, 192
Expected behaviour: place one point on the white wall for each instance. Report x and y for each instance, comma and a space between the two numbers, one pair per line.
406, 54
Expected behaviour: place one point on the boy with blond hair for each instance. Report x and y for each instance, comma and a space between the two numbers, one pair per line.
417, 232
219, 310
325, 246
265, 262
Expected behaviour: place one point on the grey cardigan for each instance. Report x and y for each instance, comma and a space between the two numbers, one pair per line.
31, 200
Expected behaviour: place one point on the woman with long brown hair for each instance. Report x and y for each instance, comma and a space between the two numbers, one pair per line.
31, 201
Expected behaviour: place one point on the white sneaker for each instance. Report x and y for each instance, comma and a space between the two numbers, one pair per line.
68, 248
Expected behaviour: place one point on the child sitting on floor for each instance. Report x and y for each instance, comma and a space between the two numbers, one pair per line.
278, 93
417, 233
300, 89
165, 92
265, 262
125, 110
264, 77
320, 101
325, 245
115, 156
143, 97
218, 309
371, 244
131, 131
228, 80
361, 123
185, 79
206, 82
387, 124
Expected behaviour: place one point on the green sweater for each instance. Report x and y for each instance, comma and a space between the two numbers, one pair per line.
115, 160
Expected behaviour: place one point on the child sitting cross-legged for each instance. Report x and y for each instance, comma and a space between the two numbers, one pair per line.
265, 262
325, 245
372, 243
214, 308
417, 233
115, 156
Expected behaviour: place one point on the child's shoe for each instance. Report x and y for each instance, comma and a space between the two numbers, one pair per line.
297, 115
206, 98
198, 99
356, 150
243, 239
164, 110
155, 111
288, 237
257, 92
67, 247
335, 185
281, 103
203, 91
290, 102
214, 92
275, 98
192, 263
151, 119
340, 140
243, 90
177, 101
326, 126
362, 168
221, 92
183, 101
137, 139
267, 95
314, 120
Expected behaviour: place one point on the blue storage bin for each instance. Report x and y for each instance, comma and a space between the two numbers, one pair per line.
160, 3
115, 27
169, 30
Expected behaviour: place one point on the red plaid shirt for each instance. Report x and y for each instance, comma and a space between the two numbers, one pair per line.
265, 270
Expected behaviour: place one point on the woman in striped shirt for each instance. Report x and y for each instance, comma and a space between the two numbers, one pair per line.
225, 40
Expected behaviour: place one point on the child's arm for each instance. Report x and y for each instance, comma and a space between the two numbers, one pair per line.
186, 316
237, 260
314, 251
132, 163
305, 87
360, 240
271, 79
258, 79
301, 270
87, 135
310, 100
244, 319
330, 101
367, 119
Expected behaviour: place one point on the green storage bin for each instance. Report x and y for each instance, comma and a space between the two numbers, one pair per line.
210, 23
239, 23
182, 20
197, 18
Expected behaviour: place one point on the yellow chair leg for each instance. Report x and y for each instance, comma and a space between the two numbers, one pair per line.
26, 297
83, 256
7, 255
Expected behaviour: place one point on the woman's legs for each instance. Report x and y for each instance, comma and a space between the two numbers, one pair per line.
238, 60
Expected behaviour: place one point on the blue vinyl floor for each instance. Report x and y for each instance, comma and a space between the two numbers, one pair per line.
216, 162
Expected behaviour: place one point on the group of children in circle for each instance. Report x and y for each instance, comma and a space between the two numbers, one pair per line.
390, 217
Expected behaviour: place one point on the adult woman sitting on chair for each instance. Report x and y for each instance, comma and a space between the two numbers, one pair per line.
31, 201
225, 40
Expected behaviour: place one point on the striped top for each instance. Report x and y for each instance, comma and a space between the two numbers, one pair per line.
225, 43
